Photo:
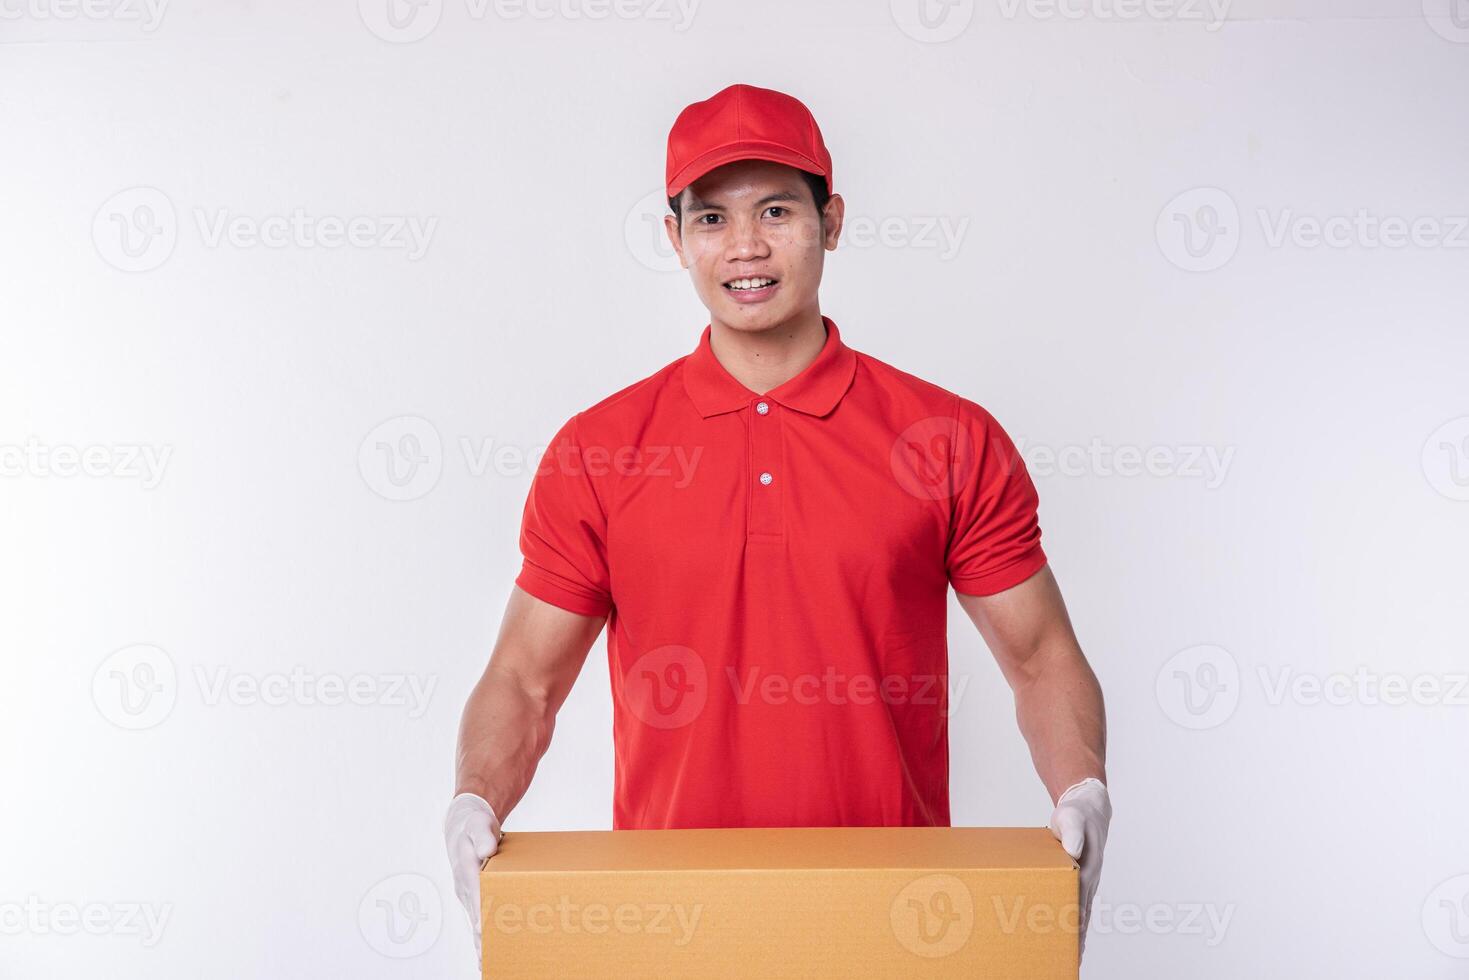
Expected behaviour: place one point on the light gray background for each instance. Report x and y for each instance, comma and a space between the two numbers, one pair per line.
1070, 149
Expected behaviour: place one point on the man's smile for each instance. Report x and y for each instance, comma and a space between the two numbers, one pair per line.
754, 289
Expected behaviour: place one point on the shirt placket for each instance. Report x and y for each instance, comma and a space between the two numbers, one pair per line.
768, 482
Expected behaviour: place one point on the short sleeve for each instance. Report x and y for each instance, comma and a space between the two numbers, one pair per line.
994, 533
563, 532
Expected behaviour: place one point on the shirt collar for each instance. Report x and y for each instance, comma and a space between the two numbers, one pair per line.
816, 390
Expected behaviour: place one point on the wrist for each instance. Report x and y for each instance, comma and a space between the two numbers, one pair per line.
472, 784
1081, 784
479, 788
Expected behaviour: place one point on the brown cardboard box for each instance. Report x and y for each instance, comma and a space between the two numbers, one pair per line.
848, 902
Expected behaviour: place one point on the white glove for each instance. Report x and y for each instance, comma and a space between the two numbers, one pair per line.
471, 834
1080, 823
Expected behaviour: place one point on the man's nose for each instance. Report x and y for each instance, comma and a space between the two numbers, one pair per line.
747, 240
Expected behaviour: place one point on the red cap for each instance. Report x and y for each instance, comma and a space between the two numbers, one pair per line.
743, 122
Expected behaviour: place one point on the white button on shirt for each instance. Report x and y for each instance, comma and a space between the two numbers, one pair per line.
762, 408
766, 479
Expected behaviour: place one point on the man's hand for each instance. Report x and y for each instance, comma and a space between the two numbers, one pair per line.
1080, 823
471, 834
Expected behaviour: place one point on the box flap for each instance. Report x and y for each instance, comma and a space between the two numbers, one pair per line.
785, 848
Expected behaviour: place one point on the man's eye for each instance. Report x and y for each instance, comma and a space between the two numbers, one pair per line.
703, 216
776, 207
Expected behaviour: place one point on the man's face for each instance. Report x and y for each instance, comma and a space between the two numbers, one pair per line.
753, 219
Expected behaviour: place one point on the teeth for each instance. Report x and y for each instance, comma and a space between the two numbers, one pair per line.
750, 283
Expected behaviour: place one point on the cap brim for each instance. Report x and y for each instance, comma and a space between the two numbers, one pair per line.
743, 150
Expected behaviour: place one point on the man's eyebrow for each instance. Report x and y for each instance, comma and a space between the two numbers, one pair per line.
697, 205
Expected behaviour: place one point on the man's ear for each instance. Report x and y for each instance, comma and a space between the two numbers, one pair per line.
833, 215
675, 236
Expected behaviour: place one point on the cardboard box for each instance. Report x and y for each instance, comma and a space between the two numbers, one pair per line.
811, 902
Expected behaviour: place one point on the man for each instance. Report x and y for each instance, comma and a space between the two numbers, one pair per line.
770, 525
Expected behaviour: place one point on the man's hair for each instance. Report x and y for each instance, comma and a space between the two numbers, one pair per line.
816, 182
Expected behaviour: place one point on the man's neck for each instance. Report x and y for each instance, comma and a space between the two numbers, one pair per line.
769, 358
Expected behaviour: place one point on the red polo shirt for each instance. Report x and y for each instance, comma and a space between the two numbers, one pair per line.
775, 572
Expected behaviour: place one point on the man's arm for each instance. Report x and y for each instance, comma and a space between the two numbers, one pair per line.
511, 712
1058, 701
506, 729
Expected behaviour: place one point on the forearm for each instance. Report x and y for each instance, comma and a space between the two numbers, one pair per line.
1058, 704
505, 730
508, 720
